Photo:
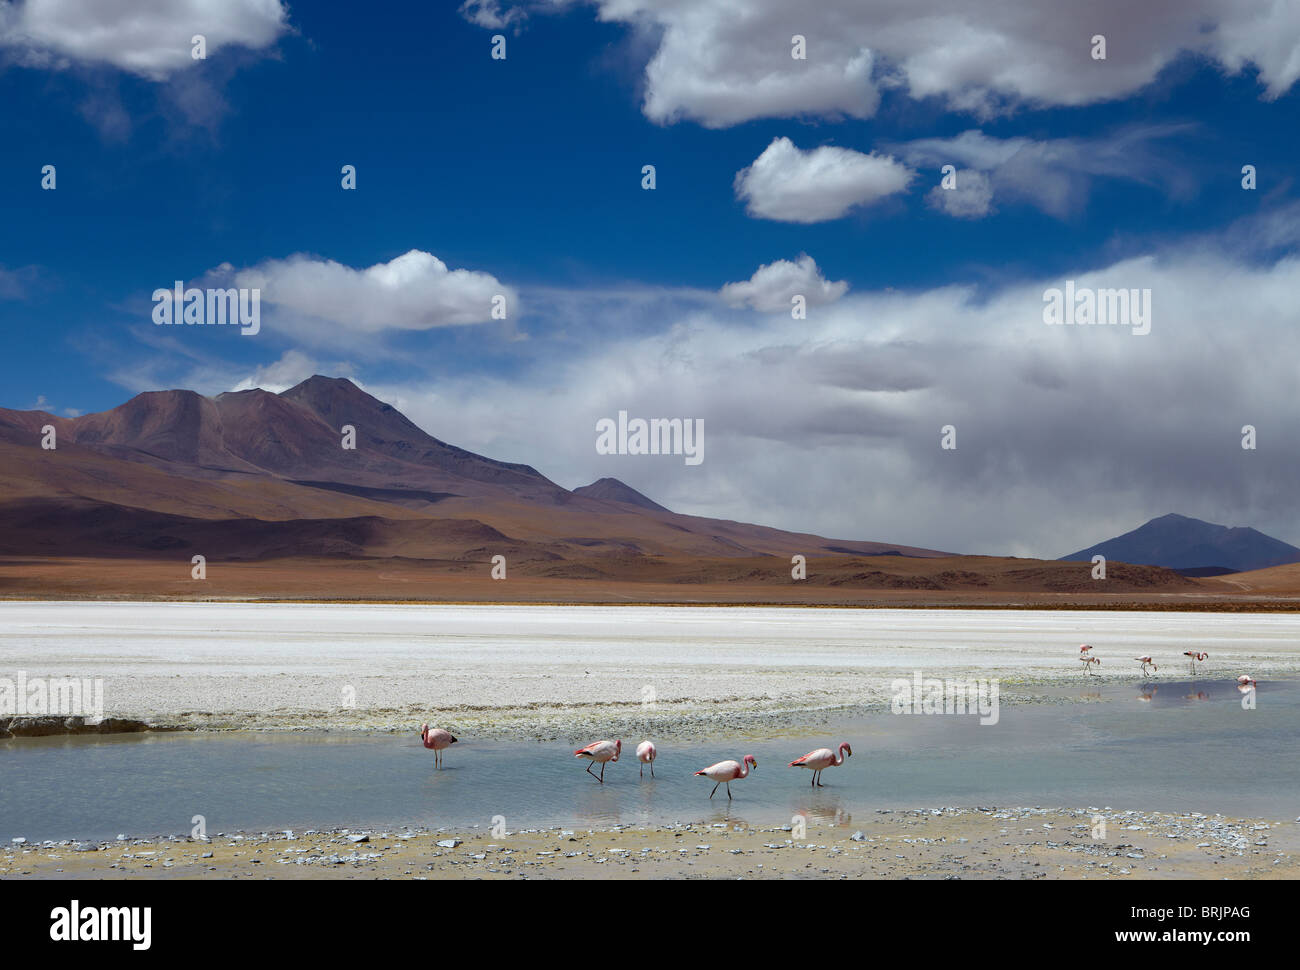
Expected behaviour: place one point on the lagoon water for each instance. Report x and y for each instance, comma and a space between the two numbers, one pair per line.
1187, 747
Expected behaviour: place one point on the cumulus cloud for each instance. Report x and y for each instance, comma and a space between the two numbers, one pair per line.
414, 291
1053, 175
787, 184
970, 197
774, 284
493, 14
292, 368
149, 38
724, 62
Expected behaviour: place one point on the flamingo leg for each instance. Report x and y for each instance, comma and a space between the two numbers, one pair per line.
728, 791
602, 772
652, 769
643, 769
715, 790
589, 771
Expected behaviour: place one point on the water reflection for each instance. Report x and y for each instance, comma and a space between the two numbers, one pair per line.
824, 807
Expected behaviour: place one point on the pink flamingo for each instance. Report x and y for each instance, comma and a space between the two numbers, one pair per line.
1146, 662
437, 739
1246, 683
1084, 648
820, 760
600, 751
725, 772
646, 753
1197, 657
1088, 661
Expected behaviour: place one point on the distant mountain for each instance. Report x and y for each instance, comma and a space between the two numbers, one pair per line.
612, 490
1199, 548
253, 475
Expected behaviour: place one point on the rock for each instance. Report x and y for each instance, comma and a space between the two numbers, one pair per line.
448, 843
358, 838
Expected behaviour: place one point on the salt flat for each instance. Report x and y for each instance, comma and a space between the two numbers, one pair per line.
545, 671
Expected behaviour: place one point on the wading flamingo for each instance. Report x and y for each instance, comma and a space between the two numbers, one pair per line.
1088, 661
1246, 683
1197, 657
820, 760
725, 772
601, 751
1146, 662
437, 739
645, 753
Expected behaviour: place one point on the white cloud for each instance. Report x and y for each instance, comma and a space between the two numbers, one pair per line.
970, 197
1053, 175
151, 38
291, 369
724, 62
414, 291
774, 284
790, 185
492, 14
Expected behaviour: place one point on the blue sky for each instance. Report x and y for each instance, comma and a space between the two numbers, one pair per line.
526, 173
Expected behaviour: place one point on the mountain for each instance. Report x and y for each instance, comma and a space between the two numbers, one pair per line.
252, 475
612, 490
1186, 544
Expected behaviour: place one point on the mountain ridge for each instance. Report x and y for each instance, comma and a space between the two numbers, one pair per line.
1181, 542
280, 458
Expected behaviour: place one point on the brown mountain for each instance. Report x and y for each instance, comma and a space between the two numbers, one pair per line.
252, 475
262, 487
612, 490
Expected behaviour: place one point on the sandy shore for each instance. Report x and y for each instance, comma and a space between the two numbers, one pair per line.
947, 843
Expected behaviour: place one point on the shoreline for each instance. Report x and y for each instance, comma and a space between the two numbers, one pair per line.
1230, 606
537, 721
936, 843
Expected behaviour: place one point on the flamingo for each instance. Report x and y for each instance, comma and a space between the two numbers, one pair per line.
725, 772
1246, 683
1088, 661
820, 760
1146, 662
645, 753
437, 739
1197, 657
1084, 648
601, 751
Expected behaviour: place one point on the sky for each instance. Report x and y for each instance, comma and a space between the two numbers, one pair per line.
521, 177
